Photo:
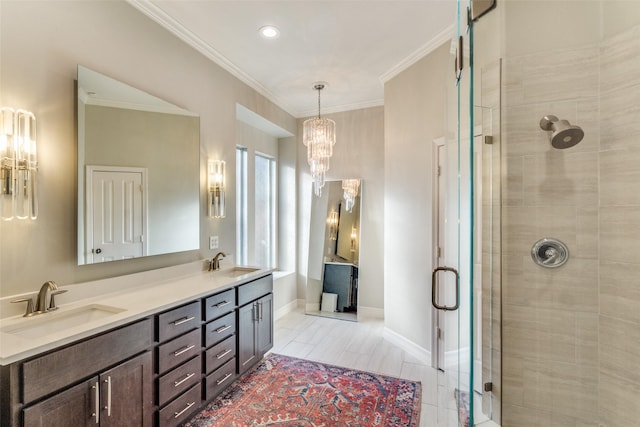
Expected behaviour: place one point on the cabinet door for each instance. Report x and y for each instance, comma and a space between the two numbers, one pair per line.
126, 393
265, 324
247, 350
73, 407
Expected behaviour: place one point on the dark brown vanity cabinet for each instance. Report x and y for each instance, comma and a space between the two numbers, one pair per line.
157, 371
106, 380
179, 364
121, 396
255, 322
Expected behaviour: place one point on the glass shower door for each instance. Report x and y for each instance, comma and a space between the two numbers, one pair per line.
452, 290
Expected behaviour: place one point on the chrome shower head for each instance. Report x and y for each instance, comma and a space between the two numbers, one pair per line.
564, 134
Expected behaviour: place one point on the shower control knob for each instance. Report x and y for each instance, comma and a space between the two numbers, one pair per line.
549, 253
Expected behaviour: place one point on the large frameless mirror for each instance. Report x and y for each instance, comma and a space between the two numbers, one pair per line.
138, 172
334, 252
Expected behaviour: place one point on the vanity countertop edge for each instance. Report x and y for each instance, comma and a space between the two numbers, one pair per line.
138, 302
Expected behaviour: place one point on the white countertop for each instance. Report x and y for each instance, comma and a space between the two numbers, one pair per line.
138, 295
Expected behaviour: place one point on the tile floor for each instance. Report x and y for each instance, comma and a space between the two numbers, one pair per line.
360, 345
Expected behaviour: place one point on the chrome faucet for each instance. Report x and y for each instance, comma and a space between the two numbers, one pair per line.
215, 262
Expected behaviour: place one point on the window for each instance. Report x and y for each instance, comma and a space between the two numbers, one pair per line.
256, 217
265, 211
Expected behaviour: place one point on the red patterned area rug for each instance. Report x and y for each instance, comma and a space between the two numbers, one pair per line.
286, 391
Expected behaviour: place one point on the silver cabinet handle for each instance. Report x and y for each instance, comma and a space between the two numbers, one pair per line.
189, 405
260, 310
96, 414
222, 329
186, 378
108, 407
183, 320
434, 289
223, 354
226, 377
183, 350
221, 304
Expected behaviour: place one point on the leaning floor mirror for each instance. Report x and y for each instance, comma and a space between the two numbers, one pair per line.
334, 250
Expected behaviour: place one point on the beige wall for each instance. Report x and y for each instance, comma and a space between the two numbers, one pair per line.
41, 44
358, 153
415, 103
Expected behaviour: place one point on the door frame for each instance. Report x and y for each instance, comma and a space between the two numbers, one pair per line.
437, 316
88, 220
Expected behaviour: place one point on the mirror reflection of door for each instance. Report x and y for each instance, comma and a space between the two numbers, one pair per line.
116, 213
334, 252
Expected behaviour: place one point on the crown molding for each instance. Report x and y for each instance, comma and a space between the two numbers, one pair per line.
442, 37
158, 15
341, 108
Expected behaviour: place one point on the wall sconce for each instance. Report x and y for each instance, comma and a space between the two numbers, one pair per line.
18, 164
215, 178
332, 221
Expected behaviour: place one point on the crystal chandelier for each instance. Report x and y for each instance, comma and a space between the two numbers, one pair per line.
350, 187
319, 136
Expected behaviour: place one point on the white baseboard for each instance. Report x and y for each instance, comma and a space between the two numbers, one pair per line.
410, 347
288, 308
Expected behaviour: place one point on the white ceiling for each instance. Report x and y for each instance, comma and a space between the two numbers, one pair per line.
352, 45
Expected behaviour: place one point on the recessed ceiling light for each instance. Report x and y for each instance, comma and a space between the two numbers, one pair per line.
269, 32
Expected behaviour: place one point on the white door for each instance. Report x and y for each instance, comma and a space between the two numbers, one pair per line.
116, 213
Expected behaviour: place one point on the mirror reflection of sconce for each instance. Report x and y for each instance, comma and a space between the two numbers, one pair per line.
215, 178
333, 221
18, 164
354, 239
350, 187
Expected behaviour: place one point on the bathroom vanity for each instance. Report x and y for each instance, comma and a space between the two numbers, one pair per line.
156, 362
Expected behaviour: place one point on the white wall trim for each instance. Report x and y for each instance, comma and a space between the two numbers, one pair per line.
288, 308
341, 108
410, 347
166, 21
442, 37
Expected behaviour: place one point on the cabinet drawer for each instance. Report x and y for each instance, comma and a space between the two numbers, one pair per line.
60, 368
220, 329
178, 350
220, 379
180, 379
254, 290
220, 353
178, 321
180, 409
219, 304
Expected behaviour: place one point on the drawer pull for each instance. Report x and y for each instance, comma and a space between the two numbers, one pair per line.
183, 350
223, 354
221, 304
226, 377
189, 405
183, 320
222, 329
186, 378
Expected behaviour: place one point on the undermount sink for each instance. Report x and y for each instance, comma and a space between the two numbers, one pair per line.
237, 271
54, 322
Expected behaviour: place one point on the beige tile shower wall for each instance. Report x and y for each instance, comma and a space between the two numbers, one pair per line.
571, 340
550, 316
619, 325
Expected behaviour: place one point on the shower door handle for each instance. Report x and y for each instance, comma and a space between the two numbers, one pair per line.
434, 289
